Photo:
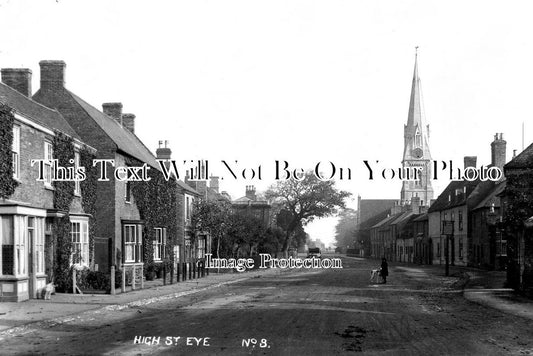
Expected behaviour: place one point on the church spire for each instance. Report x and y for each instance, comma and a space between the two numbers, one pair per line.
416, 113
416, 145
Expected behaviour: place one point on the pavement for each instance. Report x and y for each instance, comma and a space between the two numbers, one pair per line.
14, 317
479, 286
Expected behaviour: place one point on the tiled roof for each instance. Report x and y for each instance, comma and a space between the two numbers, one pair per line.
368, 223
39, 113
451, 191
523, 160
403, 218
242, 199
422, 217
387, 221
126, 141
492, 197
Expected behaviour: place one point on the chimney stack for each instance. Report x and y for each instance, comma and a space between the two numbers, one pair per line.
128, 121
52, 75
18, 79
250, 192
213, 183
113, 110
163, 152
470, 161
498, 150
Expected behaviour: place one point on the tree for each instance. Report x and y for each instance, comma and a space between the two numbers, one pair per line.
346, 228
244, 234
212, 217
303, 201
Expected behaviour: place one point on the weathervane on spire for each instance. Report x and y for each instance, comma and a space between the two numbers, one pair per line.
416, 50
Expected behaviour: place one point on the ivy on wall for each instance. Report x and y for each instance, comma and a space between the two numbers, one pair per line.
7, 183
61, 231
519, 194
63, 195
64, 153
157, 201
88, 194
518, 208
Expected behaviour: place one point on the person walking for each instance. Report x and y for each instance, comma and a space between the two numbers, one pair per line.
384, 269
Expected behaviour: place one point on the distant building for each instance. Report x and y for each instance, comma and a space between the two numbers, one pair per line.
471, 208
250, 205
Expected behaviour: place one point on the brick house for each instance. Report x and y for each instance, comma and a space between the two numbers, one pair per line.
465, 204
187, 251
120, 239
489, 246
250, 205
370, 212
30, 216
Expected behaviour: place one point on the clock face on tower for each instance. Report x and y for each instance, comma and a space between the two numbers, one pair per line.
417, 152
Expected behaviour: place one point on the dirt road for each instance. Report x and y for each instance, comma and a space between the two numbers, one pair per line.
301, 312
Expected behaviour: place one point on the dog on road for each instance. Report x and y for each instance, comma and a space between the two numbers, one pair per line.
374, 275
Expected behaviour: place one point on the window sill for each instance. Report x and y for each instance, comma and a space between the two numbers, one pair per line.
10, 277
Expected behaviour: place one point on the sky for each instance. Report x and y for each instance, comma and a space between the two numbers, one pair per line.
297, 81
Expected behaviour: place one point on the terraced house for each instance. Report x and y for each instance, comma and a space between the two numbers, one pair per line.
136, 227
44, 224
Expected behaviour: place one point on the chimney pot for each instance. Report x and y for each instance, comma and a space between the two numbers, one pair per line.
52, 74
113, 110
250, 192
18, 79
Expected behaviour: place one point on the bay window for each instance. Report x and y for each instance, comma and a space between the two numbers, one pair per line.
7, 257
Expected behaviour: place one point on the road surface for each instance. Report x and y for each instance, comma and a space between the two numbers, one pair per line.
296, 312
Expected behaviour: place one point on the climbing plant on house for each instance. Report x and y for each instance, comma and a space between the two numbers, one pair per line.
63, 151
157, 201
88, 194
7, 182
518, 208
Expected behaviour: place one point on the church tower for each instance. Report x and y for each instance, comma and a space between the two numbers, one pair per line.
416, 147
